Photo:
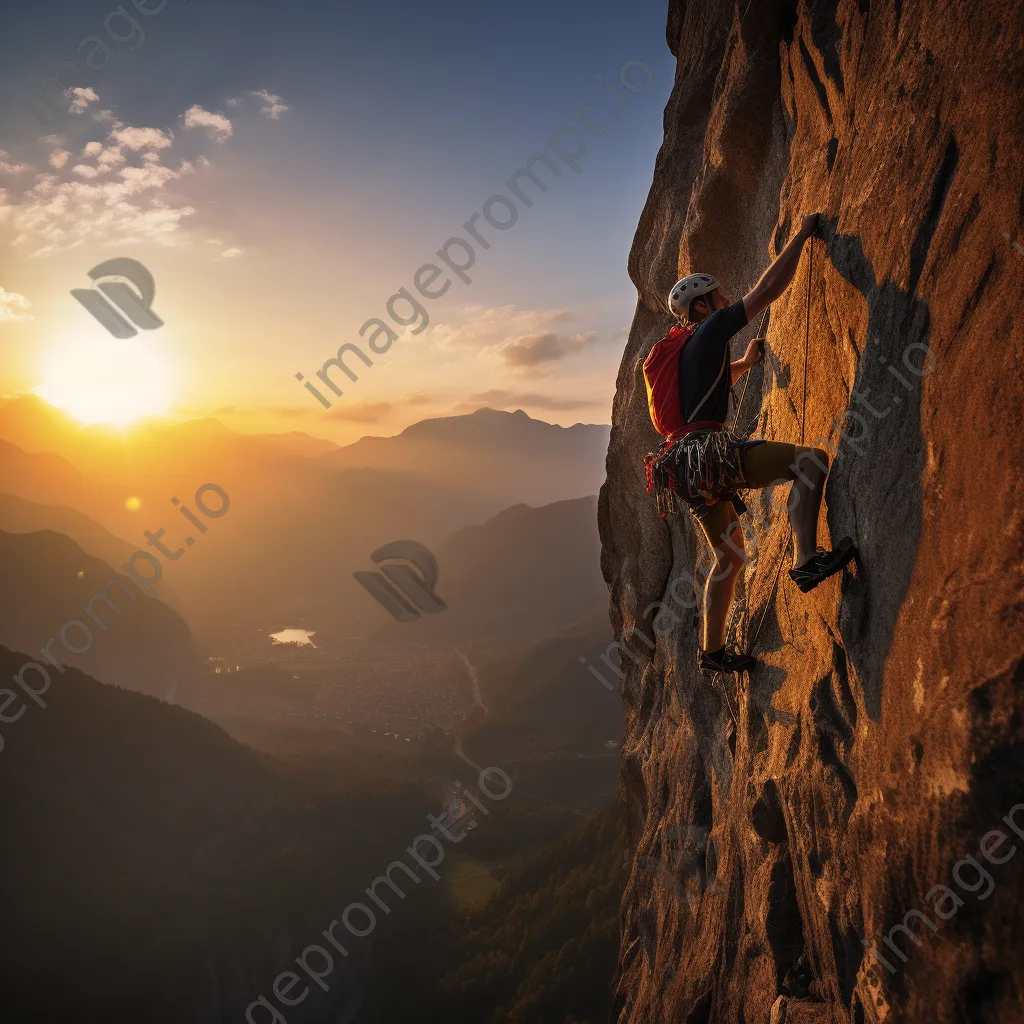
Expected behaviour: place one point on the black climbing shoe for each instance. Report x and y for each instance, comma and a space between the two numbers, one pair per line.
822, 565
725, 660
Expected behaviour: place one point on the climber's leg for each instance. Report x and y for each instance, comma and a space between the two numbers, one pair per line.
810, 469
764, 465
720, 524
774, 462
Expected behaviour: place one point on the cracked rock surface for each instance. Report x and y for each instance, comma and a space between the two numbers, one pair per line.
881, 741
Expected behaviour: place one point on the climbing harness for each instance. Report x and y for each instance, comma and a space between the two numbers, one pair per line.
701, 460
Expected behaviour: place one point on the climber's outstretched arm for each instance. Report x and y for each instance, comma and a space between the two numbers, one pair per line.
777, 277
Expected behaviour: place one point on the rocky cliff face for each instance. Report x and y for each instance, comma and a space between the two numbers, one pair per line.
881, 742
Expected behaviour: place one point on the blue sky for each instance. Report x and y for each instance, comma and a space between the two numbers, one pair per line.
282, 167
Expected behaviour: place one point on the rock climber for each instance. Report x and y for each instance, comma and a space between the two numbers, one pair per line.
689, 378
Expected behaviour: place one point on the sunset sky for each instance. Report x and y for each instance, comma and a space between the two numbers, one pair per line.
283, 168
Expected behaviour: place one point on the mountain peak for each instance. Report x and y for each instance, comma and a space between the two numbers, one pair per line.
508, 455
485, 412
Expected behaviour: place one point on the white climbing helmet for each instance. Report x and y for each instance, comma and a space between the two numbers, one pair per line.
688, 289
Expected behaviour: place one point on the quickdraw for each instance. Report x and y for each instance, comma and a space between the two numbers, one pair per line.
660, 476
705, 463
713, 464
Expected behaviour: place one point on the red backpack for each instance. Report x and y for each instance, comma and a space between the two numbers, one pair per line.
661, 375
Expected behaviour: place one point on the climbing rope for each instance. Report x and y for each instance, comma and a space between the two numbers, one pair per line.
771, 596
803, 421
720, 676
743, 393
807, 333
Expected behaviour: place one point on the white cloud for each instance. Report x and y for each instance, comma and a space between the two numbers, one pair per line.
272, 106
115, 193
415, 398
111, 158
13, 306
479, 327
141, 138
127, 208
107, 158
217, 126
81, 98
152, 176
9, 168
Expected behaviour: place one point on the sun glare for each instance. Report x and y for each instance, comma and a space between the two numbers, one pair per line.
108, 380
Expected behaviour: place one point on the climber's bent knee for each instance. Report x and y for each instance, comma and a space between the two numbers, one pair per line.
804, 459
774, 462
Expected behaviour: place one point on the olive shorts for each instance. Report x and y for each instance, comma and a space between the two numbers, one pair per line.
764, 464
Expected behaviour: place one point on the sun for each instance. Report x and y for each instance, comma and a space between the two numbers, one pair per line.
108, 380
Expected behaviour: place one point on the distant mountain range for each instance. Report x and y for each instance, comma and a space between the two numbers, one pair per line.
20, 516
304, 514
140, 835
49, 580
509, 456
522, 574
142, 843
44, 477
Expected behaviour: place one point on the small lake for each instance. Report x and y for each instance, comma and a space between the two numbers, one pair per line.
300, 637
